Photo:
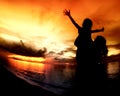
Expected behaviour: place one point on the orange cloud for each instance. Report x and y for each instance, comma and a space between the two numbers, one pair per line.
44, 22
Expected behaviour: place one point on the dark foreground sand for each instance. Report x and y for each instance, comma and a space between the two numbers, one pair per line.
10, 85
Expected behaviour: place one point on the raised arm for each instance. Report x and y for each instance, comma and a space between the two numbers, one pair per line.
98, 30
67, 12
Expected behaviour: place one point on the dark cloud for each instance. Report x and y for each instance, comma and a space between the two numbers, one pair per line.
71, 50
117, 46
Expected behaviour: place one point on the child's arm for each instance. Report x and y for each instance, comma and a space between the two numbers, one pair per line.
67, 12
98, 30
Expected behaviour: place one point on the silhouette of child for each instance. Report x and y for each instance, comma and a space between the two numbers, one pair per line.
83, 42
101, 52
101, 48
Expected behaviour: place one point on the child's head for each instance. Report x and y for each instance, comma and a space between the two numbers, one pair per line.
100, 40
87, 23
100, 45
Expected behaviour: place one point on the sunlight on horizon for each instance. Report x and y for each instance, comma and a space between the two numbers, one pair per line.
113, 51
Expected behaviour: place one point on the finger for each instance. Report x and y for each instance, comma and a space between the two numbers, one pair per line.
69, 11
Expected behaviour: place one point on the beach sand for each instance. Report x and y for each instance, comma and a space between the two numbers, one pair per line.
10, 85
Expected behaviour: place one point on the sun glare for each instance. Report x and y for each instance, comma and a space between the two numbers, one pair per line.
113, 51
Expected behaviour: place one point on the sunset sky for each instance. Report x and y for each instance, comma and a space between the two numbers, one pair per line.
41, 23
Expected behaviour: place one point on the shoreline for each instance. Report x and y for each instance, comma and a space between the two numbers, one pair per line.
12, 85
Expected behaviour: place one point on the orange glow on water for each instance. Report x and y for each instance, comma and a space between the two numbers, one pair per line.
26, 58
34, 64
28, 66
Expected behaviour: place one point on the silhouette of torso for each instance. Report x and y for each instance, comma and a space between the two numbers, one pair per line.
84, 38
85, 66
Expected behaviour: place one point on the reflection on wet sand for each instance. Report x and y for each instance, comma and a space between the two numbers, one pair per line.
113, 69
53, 76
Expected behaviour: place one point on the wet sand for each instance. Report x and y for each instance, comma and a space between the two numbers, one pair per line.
10, 85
